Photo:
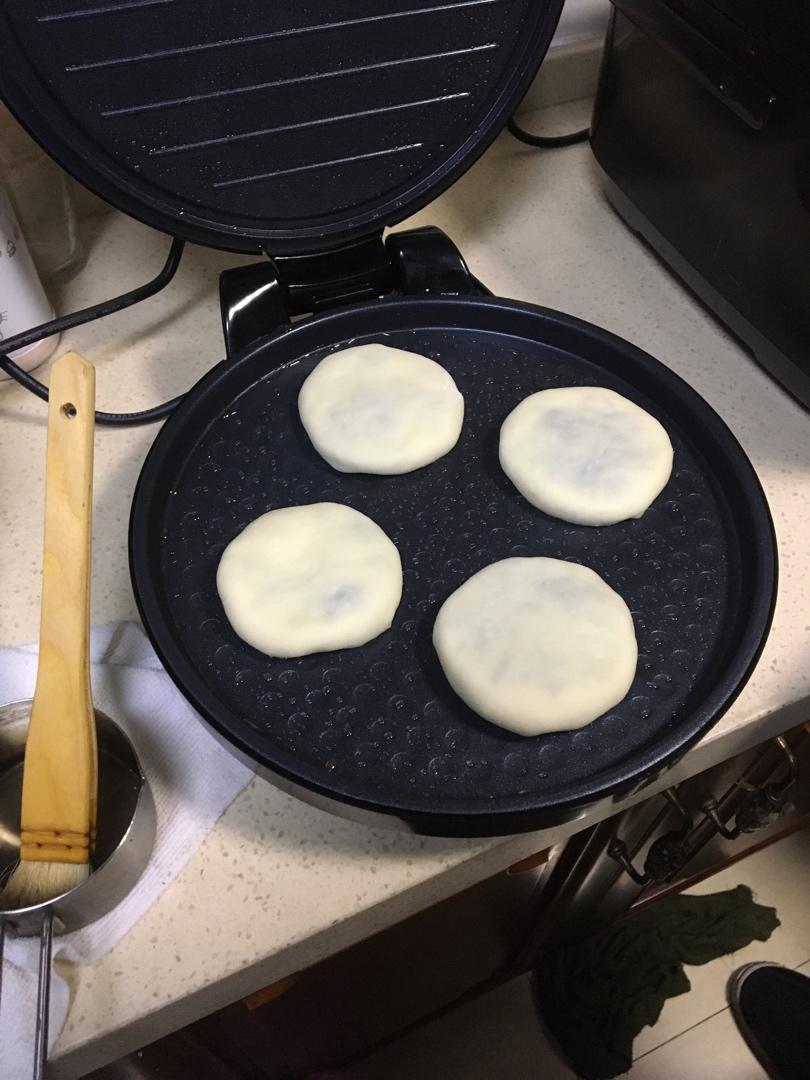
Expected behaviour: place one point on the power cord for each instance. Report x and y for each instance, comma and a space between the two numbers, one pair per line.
546, 141
88, 314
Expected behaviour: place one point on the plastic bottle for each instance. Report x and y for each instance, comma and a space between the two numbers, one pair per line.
40, 193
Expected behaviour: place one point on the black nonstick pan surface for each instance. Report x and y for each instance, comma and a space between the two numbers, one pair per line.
378, 728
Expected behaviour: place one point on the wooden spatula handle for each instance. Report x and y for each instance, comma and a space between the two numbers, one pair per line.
58, 800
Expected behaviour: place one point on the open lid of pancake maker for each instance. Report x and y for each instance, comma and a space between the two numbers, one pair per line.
278, 128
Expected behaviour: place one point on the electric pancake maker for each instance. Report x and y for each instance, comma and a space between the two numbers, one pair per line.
300, 132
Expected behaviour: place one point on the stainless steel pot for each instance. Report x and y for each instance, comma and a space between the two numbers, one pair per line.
126, 833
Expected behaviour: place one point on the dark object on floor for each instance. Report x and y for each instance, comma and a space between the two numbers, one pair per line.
596, 995
771, 1006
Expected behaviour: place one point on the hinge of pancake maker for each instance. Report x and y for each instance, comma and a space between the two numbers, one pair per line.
261, 297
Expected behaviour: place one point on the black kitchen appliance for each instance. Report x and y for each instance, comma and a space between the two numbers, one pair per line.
301, 133
702, 132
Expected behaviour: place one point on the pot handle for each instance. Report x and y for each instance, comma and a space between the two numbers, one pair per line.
43, 991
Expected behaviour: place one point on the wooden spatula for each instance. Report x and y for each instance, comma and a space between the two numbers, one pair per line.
60, 774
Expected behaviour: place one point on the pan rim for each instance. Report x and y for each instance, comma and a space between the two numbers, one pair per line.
466, 817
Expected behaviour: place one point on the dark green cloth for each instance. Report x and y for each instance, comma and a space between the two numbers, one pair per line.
597, 994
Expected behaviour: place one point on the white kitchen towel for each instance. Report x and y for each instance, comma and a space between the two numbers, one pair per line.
192, 777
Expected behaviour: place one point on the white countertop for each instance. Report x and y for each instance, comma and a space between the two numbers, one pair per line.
277, 886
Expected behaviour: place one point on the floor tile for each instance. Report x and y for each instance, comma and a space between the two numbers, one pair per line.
779, 876
712, 1048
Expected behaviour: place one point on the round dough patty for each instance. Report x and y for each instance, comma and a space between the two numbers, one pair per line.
375, 409
537, 645
585, 454
306, 579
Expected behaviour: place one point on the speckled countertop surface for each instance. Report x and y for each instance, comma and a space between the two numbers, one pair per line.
277, 885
